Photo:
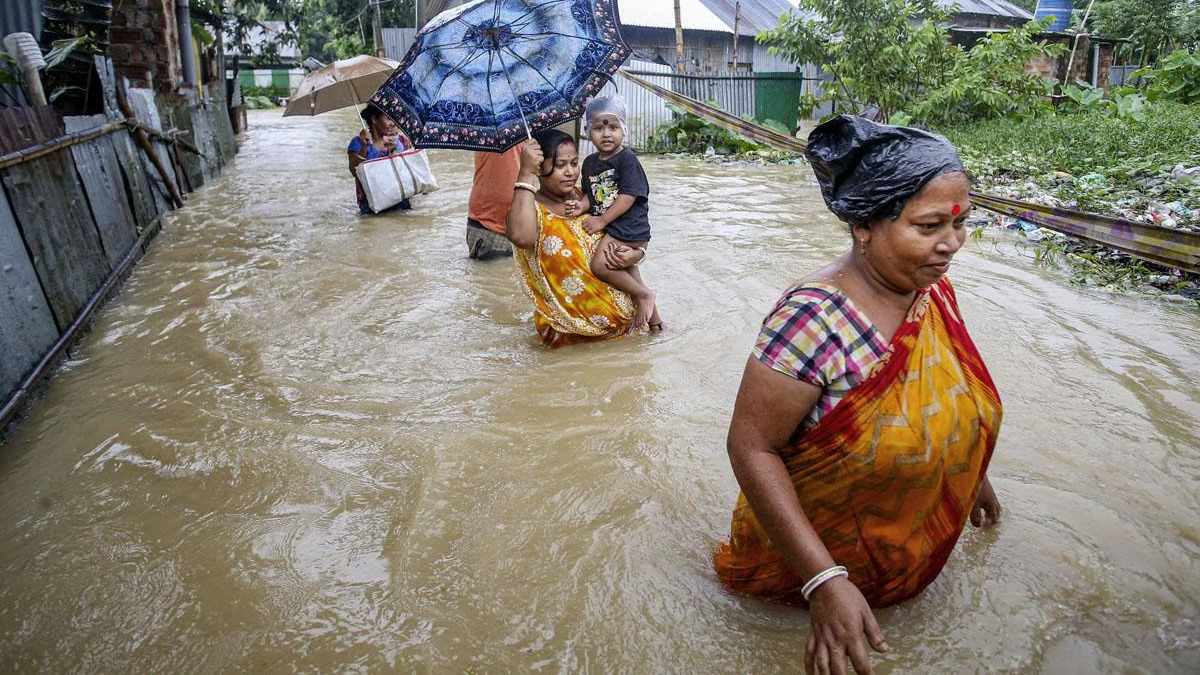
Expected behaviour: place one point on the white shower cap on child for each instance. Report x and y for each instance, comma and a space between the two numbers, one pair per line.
604, 105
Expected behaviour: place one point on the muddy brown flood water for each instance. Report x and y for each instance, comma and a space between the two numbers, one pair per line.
300, 440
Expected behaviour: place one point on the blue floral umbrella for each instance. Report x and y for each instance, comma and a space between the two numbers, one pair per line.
485, 75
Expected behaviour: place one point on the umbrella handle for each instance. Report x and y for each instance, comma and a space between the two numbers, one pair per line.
354, 92
513, 89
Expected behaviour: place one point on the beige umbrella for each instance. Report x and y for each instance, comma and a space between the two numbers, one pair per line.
340, 84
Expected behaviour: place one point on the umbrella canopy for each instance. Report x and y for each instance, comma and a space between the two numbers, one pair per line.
484, 75
339, 85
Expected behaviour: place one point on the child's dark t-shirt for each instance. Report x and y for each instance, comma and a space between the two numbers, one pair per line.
621, 174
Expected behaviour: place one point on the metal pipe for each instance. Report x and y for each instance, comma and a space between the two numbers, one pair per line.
183, 20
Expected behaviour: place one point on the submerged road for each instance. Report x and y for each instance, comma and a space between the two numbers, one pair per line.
300, 440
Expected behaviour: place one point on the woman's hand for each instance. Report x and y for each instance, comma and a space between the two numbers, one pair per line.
571, 208
594, 224
842, 628
622, 257
531, 159
986, 511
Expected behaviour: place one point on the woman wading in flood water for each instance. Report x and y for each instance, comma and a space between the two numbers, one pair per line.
553, 251
866, 418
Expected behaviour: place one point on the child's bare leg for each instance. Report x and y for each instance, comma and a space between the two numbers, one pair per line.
624, 280
655, 321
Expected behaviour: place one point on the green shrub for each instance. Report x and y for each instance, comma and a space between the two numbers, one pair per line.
267, 92
1177, 78
689, 133
1092, 157
1125, 102
258, 102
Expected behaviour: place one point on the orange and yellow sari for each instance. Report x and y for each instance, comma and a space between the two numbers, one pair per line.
569, 304
889, 476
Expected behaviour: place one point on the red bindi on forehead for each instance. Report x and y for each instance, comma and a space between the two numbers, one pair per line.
956, 210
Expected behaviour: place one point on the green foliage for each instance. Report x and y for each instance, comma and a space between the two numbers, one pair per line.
1088, 156
1125, 103
1154, 27
258, 102
265, 92
324, 29
201, 35
990, 80
882, 53
8, 70
1084, 96
61, 49
895, 56
1177, 78
689, 133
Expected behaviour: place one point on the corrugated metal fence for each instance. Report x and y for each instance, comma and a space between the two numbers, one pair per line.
18, 16
1119, 75
734, 93
396, 42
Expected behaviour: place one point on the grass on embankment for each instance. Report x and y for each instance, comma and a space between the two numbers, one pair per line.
1096, 160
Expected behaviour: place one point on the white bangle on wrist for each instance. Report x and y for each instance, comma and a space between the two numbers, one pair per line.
822, 577
525, 186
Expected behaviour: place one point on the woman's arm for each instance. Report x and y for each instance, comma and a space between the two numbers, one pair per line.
357, 158
522, 215
769, 408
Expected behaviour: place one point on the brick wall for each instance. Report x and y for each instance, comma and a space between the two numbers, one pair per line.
145, 43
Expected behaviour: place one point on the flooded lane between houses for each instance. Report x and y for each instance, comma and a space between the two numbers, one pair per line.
300, 440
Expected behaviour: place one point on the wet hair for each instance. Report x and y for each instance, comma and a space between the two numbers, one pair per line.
371, 112
868, 171
550, 141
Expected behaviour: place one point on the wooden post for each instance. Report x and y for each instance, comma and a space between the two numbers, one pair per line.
678, 40
737, 15
377, 29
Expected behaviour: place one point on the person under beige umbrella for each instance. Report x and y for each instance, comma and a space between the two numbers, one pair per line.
346, 83
338, 85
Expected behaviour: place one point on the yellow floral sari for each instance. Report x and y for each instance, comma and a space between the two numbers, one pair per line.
570, 305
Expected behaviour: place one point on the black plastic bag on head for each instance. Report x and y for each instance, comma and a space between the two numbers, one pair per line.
866, 169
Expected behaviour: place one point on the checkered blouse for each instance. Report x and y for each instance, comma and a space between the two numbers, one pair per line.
816, 335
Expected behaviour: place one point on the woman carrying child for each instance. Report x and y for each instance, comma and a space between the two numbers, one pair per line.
554, 253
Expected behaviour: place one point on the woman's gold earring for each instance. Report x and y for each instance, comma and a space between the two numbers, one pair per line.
862, 247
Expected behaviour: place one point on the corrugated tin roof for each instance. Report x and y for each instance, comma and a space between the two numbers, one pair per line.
989, 7
755, 15
661, 14
759, 15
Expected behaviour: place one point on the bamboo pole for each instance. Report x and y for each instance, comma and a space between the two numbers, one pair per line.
63, 142
60, 143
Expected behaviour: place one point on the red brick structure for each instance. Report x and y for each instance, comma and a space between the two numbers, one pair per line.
145, 44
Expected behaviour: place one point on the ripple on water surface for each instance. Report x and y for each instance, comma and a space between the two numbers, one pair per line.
303, 440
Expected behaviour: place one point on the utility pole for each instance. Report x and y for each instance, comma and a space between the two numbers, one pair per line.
378, 29
1075, 42
737, 16
678, 40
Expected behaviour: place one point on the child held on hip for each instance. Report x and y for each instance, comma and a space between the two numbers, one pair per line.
617, 192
